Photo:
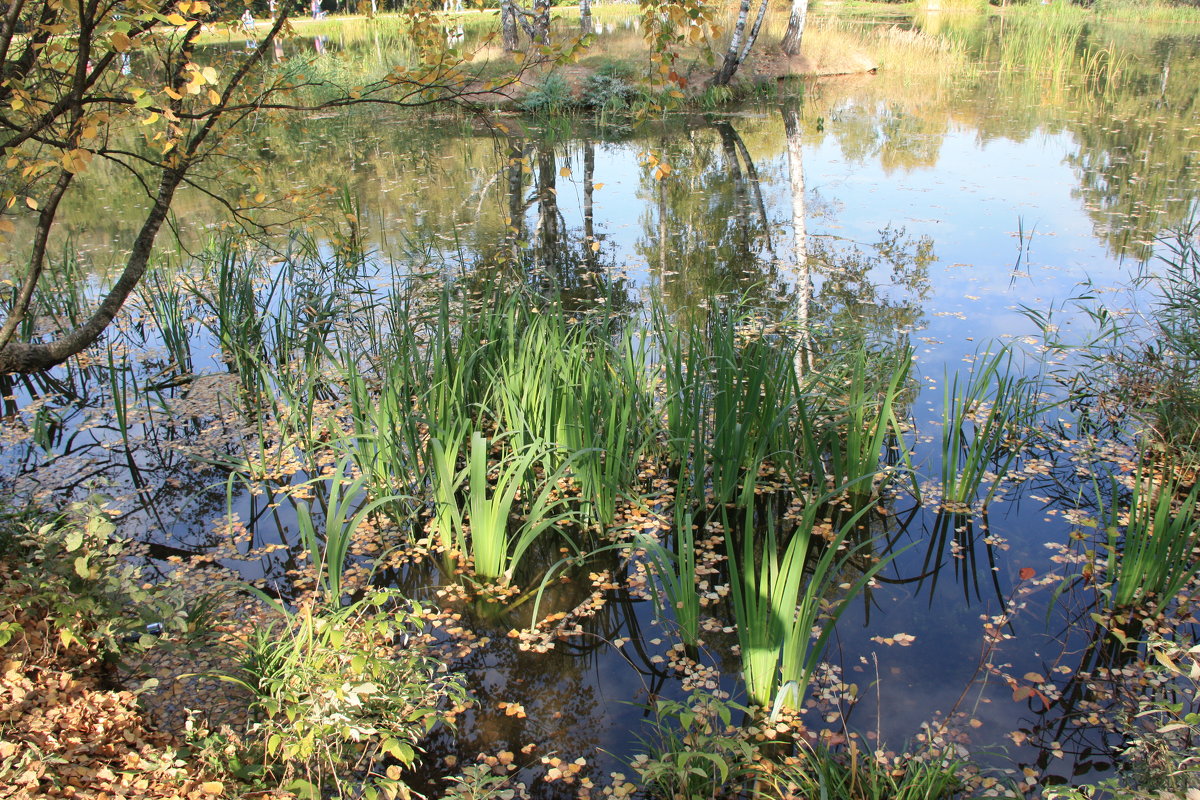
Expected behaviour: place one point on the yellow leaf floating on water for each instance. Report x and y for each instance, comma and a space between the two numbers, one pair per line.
512, 709
565, 172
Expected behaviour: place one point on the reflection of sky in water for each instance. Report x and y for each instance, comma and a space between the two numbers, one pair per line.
975, 204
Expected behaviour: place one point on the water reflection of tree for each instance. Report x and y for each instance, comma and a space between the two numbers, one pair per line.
706, 231
538, 244
1136, 158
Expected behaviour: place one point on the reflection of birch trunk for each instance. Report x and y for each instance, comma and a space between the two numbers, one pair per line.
589, 227
516, 191
804, 287
547, 179
662, 229
736, 154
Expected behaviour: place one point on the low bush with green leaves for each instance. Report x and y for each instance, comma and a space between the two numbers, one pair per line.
696, 750
551, 96
73, 589
341, 698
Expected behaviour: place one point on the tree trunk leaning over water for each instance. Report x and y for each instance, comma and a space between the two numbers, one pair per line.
69, 97
790, 44
71, 87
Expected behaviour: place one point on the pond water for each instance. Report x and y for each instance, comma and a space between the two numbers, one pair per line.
935, 210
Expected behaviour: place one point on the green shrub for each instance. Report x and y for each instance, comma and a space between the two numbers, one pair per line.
339, 704
609, 88
551, 96
67, 589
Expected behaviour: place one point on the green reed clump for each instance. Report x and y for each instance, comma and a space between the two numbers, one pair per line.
753, 388
609, 419
531, 392
675, 569
166, 302
346, 509
227, 292
682, 372
1154, 546
782, 590
729, 390
857, 774
1172, 403
388, 438
988, 419
506, 508
858, 425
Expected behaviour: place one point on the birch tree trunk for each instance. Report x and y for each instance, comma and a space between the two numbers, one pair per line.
740, 43
508, 26
585, 17
790, 44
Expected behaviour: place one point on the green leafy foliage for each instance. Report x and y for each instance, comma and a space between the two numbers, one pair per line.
74, 590
342, 695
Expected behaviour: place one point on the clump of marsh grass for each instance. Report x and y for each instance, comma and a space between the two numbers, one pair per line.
784, 589
1153, 547
988, 419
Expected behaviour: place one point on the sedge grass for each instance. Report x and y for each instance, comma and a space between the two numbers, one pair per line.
608, 425
346, 509
675, 571
1155, 553
780, 597
753, 389
481, 522
866, 425
987, 421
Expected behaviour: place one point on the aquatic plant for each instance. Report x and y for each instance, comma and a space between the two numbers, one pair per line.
779, 598
681, 370
387, 439
858, 774
988, 419
857, 425
608, 420
729, 389
346, 508
166, 302
675, 573
481, 523
753, 387
1170, 360
1153, 546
